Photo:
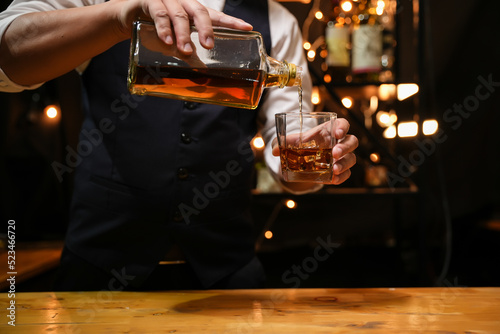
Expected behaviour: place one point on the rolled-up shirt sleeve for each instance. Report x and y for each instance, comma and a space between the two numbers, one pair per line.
21, 7
7, 85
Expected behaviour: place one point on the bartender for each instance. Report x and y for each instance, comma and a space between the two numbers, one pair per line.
143, 216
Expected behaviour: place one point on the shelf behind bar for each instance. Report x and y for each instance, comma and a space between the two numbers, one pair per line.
342, 191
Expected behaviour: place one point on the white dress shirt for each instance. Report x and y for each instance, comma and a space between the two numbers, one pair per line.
286, 40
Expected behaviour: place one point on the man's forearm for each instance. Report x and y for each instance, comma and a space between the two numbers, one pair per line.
40, 46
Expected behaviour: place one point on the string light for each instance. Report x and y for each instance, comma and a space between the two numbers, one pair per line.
291, 204
268, 234
318, 15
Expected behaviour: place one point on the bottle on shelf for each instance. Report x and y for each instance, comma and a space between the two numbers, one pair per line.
234, 72
338, 42
387, 19
367, 42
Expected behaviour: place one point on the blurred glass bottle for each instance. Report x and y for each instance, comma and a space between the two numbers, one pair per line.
387, 10
233, 73
338, 41
367, 42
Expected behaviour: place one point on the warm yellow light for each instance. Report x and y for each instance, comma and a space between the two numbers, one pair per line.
390, 132
315, 97
373, 103
268, 234
51, 111
375, 157
346, 6
429, 127
327, 78
380, 7
406, 90
407, 129
347, 102
386, 91
307, 45
291, 204
311, 54
383, 118
323, 53
386, 119
318, 15
258, 142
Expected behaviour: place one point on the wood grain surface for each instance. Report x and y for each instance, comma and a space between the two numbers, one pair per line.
377, 310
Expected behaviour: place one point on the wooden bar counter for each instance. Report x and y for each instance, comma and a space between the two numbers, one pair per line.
305, 311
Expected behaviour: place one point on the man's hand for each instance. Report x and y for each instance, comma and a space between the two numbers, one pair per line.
173, 19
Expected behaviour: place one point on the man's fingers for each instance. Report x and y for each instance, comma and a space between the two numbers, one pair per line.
174, 18
341, 178
346, 145
342, 165
200, 17
157, 11
180, 20
342, 128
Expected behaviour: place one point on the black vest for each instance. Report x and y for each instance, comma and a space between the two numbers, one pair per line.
155, 171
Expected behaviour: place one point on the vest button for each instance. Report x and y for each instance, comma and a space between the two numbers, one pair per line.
186, 139
182, 173
178, 216
190, 105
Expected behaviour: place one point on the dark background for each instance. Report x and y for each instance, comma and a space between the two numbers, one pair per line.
447, 233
